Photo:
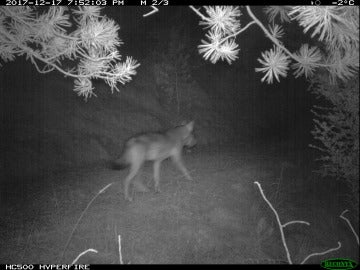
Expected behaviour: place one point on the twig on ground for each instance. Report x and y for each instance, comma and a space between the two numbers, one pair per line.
281, 226
321, 253
82, 214
120, 255
83, 253
349, 223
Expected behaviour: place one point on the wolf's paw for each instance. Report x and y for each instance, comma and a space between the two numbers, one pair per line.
140, 187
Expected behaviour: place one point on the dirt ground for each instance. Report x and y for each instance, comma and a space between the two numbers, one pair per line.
218, 218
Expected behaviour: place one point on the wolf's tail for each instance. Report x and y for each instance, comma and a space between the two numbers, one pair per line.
119, 164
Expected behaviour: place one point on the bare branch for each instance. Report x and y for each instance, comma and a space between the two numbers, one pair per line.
155, 9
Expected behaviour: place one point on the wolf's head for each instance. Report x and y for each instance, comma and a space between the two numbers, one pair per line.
188, 136
183, 134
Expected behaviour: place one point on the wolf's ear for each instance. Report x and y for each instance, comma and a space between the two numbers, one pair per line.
190, 126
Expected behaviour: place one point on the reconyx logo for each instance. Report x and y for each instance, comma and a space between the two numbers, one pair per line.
338, 263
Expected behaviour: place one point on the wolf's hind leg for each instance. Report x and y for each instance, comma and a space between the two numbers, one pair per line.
133, 171
157, 164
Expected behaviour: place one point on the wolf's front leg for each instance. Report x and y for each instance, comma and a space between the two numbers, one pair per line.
179, 163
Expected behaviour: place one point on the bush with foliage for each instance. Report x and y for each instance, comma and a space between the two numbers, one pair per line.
331, 65
336, 28
49, 36
337, 131
172, 71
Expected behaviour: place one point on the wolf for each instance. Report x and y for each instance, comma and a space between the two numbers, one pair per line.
156, 147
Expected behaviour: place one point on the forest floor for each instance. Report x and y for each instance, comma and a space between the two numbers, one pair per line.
220, 217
